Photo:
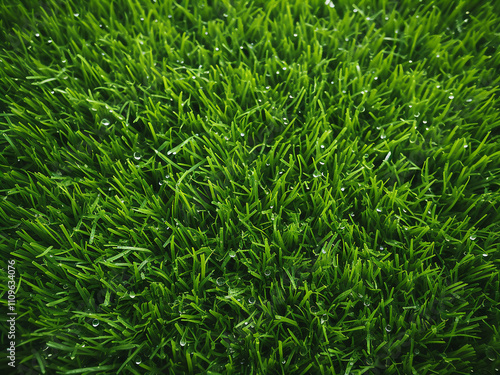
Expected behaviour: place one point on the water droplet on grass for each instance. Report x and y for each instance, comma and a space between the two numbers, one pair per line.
472, 238
491, 354
137, 156
138, 360
182, 342
267, 271
232, 254
105, 122
95, 323
251, 300
220, 281
388, 328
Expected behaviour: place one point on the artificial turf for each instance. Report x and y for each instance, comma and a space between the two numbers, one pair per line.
251, 187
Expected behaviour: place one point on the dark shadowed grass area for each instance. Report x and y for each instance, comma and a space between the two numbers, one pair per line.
250, 187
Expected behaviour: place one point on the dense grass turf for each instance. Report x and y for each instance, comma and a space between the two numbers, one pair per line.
283, 187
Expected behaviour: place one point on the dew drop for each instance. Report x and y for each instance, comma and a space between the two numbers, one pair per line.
251, 300
324, 318
182, 342
95, 323
472, 238
105, 122
388, 328
232, 254
137, 156
490, 354
220, 281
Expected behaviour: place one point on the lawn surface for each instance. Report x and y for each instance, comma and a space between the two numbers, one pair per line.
250, 187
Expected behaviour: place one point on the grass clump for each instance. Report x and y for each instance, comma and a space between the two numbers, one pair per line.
292, 187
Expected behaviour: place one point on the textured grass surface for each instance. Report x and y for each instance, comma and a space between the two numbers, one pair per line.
283, 187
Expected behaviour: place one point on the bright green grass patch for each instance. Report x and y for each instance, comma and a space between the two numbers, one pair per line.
289, 187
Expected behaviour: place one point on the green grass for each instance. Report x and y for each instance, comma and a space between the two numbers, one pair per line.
251, 187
